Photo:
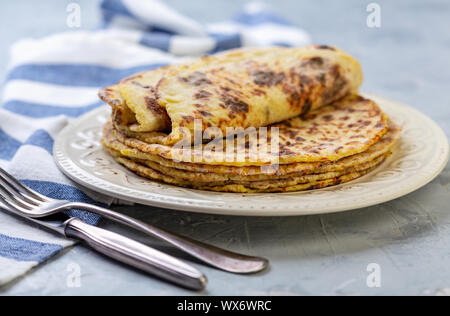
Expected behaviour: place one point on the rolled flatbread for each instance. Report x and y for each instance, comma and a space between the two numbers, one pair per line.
240, 89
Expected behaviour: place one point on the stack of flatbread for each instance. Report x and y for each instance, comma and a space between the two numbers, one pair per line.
250, 120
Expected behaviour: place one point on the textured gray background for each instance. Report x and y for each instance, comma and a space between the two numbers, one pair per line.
407, 59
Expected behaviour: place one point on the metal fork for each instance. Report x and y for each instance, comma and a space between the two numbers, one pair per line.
108, 243
34, 205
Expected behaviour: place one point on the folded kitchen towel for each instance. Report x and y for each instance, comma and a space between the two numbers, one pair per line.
55, 79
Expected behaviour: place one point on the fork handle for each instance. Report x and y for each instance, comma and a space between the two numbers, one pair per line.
136, 254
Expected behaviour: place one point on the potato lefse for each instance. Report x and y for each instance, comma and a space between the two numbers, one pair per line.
323, 131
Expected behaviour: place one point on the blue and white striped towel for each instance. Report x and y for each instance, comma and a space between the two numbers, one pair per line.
55, 79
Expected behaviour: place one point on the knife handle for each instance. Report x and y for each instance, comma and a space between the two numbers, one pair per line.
136, 254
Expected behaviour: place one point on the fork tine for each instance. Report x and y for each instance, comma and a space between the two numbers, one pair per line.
11, 201
18, 195
15, 187
5, 204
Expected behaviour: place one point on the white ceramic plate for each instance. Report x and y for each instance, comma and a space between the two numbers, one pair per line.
419, 157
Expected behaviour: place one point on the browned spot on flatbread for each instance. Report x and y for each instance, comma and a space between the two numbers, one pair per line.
379, 124
299, 89
204, 113
338, 83
258, 92
188, 118
321, 78
294, 98
202, 94
228, 90
314, 62
231, 81
236, 106
306, 106
136, 83
325, 47
267, 78
196, 79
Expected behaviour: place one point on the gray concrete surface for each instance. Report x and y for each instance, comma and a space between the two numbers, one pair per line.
407, 60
